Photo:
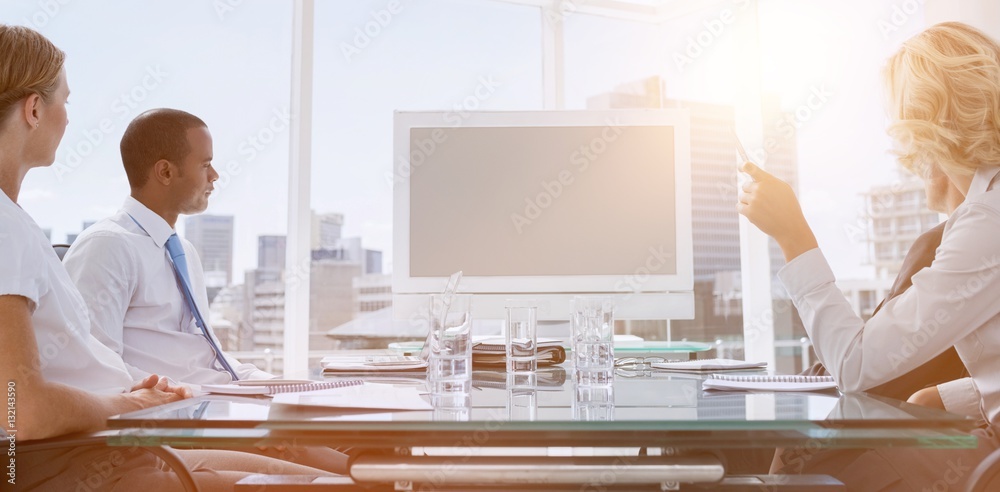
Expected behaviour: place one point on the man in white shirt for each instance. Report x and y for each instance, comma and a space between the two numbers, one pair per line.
144, 286
122, 266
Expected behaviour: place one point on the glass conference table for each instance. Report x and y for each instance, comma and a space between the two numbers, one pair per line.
650, 428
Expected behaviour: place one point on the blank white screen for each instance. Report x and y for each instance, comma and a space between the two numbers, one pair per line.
542, 201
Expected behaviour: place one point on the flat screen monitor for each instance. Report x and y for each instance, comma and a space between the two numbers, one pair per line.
544, 205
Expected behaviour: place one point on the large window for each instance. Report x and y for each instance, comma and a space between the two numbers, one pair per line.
805, 97
207, 58
371, 60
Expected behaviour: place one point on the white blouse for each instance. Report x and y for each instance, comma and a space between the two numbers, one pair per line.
29, 268
955, 301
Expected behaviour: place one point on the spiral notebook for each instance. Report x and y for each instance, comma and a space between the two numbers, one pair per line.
273, 389
769, 383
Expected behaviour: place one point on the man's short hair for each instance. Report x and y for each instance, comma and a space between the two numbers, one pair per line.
154, 135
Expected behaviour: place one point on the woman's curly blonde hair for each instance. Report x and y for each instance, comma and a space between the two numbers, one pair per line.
944, 100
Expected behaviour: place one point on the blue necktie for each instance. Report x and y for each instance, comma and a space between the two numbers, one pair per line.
176, 251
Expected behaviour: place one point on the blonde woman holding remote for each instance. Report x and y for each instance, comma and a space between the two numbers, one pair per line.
943, 88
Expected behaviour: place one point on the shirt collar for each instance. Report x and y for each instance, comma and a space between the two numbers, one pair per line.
155, 226
982, 180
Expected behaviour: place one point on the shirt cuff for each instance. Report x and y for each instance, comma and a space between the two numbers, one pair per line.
962, 397
805, 273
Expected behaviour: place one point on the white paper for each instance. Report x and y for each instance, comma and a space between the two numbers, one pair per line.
366, 396
368, 363
718, 384
706, 365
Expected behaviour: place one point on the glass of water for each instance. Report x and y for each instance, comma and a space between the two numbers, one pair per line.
593, 403
593, 325
520, 336
449, 369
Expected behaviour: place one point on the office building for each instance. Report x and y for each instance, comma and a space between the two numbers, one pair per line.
896, 215
271, 252
212, 237
326, 230
263, 310
226, 317
340, 270
328, 244
372, 292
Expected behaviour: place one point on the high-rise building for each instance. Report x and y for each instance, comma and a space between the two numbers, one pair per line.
714, 192
326, 230
271, 252
895, 215
212, 237
372, 293
226, 317
334, 271
373, 262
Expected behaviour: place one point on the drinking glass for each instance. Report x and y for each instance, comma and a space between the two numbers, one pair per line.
521, 336
449, 369
592, 325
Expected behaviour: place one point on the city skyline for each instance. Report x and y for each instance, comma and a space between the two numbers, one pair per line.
242, 90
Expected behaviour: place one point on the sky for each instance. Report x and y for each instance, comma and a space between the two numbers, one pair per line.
229, 62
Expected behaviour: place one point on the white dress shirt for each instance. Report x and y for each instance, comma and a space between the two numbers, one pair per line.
29, 268
961, 396
135, 302
955, 301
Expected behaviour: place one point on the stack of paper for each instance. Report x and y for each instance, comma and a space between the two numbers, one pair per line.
493, 352
708, 365
368, 396
373, 363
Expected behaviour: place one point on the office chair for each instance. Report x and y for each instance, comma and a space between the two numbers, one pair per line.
167, 455
61, 250
985, 476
